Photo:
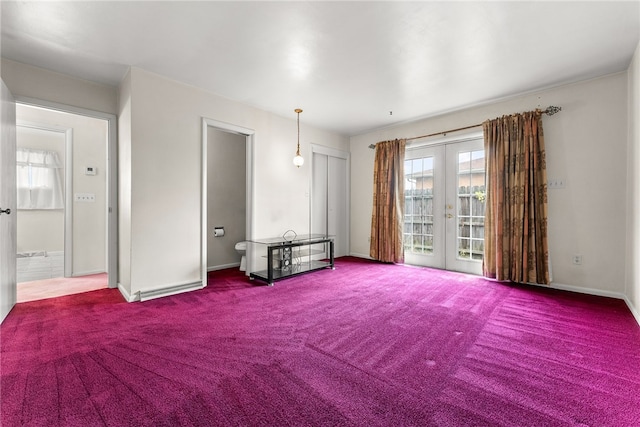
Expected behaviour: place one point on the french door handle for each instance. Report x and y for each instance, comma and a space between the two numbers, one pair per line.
5, 211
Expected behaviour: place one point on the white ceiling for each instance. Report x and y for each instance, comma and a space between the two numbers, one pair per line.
346, 64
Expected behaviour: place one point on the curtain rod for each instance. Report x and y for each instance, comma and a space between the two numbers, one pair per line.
549, 111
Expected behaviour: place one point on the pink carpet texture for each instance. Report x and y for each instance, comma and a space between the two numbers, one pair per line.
368, 344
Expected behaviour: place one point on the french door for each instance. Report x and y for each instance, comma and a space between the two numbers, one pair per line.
444, 206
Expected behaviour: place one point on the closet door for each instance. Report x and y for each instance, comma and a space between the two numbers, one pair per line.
319, 191
337, 202
330, 197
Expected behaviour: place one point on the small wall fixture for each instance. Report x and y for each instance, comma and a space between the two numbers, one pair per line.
298, 160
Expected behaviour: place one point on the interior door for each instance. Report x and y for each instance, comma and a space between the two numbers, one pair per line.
8, 290
444, 206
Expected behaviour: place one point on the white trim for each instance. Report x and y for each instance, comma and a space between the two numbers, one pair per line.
580, 290
357, 255
112, 174
68, 203
88, 273
112, 201
633, 310
127, 296
143, 295
223, 266
596, 292
602, 293
250, 137
328, 151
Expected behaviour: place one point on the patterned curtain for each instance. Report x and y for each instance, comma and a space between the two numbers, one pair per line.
515, 241
388, 202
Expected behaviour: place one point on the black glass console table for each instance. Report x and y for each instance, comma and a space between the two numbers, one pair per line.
287, 257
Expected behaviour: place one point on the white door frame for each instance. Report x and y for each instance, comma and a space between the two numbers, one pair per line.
249, 135
68, 187
333, 152
112, 175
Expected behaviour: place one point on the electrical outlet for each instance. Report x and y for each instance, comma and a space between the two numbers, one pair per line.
577, 259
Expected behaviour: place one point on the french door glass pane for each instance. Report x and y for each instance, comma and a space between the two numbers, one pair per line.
471, 197
418, 208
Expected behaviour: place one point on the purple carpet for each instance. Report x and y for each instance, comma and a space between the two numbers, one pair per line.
365, 345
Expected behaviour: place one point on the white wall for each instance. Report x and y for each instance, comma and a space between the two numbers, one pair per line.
586, 145
33, 82
164, 189
633, 190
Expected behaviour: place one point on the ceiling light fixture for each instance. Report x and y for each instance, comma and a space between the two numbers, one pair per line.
298, 160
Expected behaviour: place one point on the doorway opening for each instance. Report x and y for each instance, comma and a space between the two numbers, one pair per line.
226, 201
66, 194
223, 225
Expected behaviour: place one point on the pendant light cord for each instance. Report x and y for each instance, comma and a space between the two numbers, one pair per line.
298, 111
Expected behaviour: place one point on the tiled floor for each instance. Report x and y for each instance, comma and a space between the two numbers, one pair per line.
51, 288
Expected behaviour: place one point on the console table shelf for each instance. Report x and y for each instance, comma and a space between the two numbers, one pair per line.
292, 257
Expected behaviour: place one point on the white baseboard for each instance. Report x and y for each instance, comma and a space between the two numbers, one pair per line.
145, 295
357, 255
223, 266
633, 310
127, 296
588, 291
600, 293
87, 273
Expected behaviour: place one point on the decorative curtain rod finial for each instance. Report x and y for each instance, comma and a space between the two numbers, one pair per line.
552, 109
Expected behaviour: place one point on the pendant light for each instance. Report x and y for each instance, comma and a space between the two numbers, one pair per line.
298, 160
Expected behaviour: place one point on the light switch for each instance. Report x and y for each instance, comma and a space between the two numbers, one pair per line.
84, 197
554, 183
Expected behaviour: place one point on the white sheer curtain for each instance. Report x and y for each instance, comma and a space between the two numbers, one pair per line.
38, 179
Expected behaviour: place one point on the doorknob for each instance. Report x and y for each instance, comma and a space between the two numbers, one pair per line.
7, 211
449, 215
